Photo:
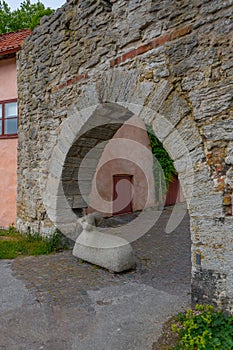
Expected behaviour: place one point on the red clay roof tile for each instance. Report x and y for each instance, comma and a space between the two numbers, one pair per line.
11, 42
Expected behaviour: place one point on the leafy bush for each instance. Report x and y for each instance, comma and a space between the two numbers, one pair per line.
204, 328
28, 15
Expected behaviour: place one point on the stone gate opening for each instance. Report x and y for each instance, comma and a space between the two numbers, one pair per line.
77, 176
82, 74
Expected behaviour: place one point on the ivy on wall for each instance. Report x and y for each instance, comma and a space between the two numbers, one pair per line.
161, 160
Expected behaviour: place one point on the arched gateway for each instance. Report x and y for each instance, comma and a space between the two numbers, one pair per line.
92, 66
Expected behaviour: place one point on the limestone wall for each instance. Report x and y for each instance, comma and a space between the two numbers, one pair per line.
170, 63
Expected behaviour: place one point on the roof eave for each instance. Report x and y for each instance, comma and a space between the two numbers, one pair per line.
9, 51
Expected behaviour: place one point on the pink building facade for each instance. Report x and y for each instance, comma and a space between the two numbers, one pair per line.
124, 180
10, 43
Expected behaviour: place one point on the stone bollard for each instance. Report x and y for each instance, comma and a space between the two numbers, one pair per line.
111, 252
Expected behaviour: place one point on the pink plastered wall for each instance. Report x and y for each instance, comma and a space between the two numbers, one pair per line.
8, 181
127, 153
8, 79
8, 149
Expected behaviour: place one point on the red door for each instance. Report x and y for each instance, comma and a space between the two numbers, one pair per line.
122, 194
173, 193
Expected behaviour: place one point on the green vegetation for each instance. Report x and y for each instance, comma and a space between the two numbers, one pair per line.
161, 160
204, 329
13, 244
26, 16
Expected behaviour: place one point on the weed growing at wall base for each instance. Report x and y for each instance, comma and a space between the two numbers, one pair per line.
14, 244
204, 329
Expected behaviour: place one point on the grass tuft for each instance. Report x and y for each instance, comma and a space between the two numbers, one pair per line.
14, 244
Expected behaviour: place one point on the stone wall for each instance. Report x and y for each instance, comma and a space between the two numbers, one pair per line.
94, 64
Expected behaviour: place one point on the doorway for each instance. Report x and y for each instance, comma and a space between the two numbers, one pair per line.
122, 194
173, 192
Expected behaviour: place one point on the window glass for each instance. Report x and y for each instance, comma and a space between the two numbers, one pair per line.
10, 126
11, 109
8, 118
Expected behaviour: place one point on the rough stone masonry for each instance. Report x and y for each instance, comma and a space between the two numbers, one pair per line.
90, 67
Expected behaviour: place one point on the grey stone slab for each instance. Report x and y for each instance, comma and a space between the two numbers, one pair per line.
13, 294
119, 309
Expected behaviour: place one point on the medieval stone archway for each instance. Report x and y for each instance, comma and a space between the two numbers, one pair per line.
100, 124
93, 125
91, 78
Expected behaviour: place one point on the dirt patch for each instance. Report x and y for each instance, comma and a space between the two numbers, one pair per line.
7, 238
168, 339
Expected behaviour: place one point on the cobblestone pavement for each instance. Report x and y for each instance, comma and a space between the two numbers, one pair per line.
59, 302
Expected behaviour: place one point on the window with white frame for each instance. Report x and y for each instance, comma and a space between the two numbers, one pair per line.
8, 118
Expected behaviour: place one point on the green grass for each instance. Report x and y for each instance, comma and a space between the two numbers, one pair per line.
14, 244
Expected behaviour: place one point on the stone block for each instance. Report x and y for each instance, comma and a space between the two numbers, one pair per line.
84, 114
189, 161
128, 84
174, 108
134, 108
220, 130
194, 183
87, 98
68, 130
161, 126
64, 144
209, 205
189, 133
102, 249
55, 168
113, 253
212, 100
192, 80
175, 146
147, 115
159, 95
141, 92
